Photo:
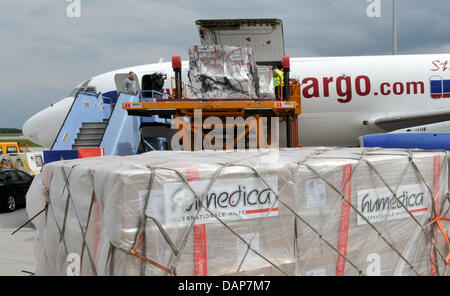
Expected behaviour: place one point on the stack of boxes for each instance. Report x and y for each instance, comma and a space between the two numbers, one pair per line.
286, 212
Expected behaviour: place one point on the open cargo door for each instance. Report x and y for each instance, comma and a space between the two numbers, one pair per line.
120, 78
264, 36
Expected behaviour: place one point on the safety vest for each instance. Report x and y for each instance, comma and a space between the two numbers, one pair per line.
276, 78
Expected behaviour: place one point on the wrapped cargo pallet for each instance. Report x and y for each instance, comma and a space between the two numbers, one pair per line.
265, 76
221, 72
303, 211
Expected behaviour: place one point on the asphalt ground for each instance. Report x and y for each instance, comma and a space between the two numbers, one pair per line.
16, 251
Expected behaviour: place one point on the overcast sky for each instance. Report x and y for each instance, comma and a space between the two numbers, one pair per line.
44, 53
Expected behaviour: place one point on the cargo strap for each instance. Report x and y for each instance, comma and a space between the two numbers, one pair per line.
393, 192
200, 198
200, 250
69, 202
433, 193
200, 241
140, 241
444, 234
345, 219
435, 209
137, 254
441, 228
84, 246
342, 193
30, 220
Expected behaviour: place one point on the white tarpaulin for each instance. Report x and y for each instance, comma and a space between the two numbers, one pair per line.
288, 212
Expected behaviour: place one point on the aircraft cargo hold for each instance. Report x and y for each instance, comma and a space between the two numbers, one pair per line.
302, 211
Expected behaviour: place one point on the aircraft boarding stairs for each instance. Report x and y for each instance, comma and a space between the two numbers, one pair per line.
91, 134
94, 122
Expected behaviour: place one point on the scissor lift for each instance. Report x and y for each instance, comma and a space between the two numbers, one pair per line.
288, 108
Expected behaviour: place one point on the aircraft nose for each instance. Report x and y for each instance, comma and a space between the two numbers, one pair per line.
43, 127
29, 130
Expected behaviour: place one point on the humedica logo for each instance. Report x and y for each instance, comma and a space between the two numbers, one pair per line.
229, 199
378, 204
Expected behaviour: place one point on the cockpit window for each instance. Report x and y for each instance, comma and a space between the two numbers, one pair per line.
82, 87
74, 92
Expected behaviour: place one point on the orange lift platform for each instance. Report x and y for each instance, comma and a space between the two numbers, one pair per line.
287, 109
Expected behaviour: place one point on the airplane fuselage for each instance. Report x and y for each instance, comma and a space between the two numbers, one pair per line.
341, 96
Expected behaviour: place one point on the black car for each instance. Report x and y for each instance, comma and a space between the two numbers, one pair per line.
14, 185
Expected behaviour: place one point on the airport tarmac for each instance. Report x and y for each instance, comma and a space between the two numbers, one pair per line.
5, 138
16, 251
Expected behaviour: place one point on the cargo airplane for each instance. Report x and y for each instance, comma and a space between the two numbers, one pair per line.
343, 98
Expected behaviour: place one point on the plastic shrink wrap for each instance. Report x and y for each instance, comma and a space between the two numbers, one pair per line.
220, 72
265, 76
287, 212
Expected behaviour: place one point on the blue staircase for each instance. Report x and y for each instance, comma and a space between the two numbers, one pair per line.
122, 135
87, 108
93, 122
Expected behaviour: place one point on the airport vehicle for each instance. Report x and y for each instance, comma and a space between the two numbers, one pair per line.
13, 156
342, 98
14, 185
9, 147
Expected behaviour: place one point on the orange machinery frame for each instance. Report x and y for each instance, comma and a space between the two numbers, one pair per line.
222, 109
181, 106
